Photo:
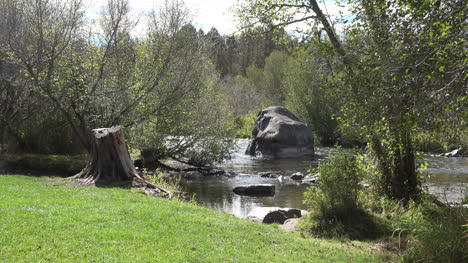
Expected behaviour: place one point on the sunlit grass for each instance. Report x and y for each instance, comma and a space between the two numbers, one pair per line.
44, 220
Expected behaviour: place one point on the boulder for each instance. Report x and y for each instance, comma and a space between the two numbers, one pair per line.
297, 176
255, 190
269, 215
278, 133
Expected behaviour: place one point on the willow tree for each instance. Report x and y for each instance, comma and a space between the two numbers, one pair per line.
102, 74
413, 71
403, 63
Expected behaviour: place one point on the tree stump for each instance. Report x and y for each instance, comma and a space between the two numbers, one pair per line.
111, 162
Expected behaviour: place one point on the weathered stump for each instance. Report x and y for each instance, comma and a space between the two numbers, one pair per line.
111, 162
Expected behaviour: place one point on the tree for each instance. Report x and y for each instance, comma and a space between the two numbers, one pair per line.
308, 89
412, 69
20, 105
410, 54
194, 131
102, 75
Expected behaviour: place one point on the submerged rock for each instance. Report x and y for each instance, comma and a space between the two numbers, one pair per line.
255, 190
311, 179
268, 175
193, 175
215, 172
280, 134
297, 176
454, 153
269, 215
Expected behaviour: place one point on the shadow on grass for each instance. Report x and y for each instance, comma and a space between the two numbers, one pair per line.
355, 224
42, 165
113, 184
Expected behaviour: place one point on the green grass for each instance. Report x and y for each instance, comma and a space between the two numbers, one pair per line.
42, 220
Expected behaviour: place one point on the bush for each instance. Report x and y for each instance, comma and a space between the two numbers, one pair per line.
334, 204
242, 125
431, 233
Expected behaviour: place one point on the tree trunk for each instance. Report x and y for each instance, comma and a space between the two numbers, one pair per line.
111, 162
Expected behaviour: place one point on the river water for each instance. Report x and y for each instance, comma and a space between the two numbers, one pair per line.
448, 180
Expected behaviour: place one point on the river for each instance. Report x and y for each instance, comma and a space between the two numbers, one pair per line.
447, 179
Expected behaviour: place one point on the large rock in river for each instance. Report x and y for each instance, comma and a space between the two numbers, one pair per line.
280, 134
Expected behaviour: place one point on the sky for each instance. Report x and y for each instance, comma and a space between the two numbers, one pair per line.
205, 13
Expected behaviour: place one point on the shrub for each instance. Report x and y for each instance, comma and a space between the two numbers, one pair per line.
242, 125
334, 204
170, 182
432, 233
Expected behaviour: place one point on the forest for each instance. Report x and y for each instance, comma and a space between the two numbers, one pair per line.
382, 87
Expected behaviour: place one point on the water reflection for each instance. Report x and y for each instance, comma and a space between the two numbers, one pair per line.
448, 180
216, 193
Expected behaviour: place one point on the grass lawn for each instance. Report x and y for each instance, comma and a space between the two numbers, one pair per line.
41, 220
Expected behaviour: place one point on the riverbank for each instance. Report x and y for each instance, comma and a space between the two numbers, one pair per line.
44, 220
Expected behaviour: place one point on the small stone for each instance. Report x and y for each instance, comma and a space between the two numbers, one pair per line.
268, 175
290, 225
311, 180
297, 176
215, 172
264, 174
230, 174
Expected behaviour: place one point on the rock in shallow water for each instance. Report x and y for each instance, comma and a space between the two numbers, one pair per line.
311, 180
280, 134
297, 176
255, 190
269, 215
454, 153
268, 175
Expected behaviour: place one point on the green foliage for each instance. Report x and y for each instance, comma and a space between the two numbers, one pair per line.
439, 142
429, 232
426, 230
308, 88
194, 130
170, 182
269, 80
43, 220
334, 204
94, 80
408, 75
243, 96
243, 125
